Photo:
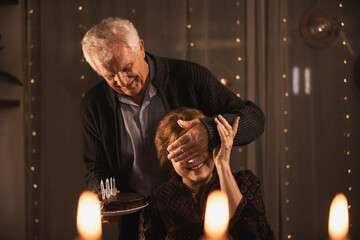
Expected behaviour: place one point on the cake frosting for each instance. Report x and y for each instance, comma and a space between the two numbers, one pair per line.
122, 201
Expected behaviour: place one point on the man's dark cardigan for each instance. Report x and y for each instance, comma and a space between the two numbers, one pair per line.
179, 84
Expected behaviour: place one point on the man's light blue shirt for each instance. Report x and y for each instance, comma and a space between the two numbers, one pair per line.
137, 131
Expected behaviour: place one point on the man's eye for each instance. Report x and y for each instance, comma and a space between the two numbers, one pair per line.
111, 77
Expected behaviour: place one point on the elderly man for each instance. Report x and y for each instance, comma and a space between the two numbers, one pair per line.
120, 115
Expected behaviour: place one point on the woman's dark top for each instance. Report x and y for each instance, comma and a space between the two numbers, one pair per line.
172, 212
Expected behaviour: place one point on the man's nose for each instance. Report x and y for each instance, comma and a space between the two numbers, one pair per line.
122, 78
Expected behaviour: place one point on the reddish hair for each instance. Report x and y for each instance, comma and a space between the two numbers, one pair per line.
169, 130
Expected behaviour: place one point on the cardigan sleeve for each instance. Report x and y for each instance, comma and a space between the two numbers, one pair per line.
214, 98
151, 226
187, 84
220, 100
93, 152
249, 220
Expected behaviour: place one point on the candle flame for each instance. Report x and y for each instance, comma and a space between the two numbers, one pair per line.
216, 215
339, 217
88, 216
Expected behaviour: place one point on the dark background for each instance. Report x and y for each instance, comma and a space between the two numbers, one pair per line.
308, 153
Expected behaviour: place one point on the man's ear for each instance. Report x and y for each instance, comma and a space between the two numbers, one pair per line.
142, 49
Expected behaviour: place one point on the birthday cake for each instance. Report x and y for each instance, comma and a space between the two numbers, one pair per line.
122, 201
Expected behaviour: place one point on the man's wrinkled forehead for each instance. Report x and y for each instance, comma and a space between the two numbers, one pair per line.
102, 67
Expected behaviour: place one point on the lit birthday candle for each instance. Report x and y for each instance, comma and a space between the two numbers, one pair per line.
339, 218
216, 216
88, 217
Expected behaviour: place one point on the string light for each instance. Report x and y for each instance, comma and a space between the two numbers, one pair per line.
285, 112
82, 27
189, 27
346, 123
33, 145
237, 45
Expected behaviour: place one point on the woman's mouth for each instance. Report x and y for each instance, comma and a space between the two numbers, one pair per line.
197, 166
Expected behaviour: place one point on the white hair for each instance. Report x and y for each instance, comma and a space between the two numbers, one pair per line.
101, 39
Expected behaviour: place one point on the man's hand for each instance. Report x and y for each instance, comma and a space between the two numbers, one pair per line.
193, 145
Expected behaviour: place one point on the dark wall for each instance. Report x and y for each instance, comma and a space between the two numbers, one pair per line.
12, 166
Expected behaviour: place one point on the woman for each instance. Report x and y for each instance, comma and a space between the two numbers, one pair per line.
176, 209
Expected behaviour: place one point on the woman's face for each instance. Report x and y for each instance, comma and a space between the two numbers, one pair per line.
195, 174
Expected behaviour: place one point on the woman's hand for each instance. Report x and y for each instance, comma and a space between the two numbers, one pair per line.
221, 153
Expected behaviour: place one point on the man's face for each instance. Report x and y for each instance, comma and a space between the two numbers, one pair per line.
127, 72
